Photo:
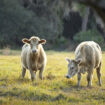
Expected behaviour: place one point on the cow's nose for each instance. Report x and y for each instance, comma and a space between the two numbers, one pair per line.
34, 51
67, 76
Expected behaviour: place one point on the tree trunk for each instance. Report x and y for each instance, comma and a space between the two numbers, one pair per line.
85, 19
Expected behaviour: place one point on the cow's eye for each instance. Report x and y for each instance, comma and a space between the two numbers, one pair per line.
31, 44
72, 67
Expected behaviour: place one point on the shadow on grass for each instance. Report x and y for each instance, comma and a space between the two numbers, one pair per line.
26, 94
36, 95
41, 97
72, 86
20, 80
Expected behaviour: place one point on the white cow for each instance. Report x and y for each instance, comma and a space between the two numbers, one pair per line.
33, 56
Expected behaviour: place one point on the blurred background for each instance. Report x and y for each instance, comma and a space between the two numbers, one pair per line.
63, 23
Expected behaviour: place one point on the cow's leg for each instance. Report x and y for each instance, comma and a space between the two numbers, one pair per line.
41, 72
89, 77
98, 70
79, 79
33, 74
23, 72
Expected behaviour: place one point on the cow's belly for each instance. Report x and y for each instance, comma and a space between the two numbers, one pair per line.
83, 69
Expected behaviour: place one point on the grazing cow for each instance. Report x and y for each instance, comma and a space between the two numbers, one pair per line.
88, 56
33, 56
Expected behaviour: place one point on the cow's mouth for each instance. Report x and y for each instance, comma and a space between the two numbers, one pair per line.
34, 52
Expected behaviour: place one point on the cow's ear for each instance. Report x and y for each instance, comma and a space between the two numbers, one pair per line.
25, 40
78, 61
42, 41
67, 59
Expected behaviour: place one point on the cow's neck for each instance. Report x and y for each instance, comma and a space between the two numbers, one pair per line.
34, 57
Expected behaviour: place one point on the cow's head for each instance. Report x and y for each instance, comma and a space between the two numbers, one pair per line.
34, 43
72, 67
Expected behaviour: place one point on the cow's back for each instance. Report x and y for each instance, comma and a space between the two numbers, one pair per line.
89, 52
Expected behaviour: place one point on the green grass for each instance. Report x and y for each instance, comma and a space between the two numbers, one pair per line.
55, 89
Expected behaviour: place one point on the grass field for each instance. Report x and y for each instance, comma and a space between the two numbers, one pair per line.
55, 89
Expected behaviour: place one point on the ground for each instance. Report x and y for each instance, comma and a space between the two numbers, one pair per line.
54, 89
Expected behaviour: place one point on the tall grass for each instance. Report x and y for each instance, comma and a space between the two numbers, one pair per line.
54, 89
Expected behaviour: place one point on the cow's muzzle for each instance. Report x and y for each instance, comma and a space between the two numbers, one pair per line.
68, 76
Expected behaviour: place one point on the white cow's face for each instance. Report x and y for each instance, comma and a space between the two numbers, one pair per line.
34, 45
34, 42
72, 68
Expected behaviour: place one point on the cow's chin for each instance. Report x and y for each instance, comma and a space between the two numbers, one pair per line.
35, 53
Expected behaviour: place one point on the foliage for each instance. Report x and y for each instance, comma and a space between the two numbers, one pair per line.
89, 35
79, 7
17, 22
43, 18
55, 89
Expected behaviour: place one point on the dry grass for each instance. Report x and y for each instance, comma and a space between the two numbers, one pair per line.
55, 89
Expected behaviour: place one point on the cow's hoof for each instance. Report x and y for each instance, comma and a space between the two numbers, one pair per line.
100, 84
89, 86
78, 86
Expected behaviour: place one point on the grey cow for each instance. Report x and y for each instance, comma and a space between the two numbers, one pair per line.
88, 56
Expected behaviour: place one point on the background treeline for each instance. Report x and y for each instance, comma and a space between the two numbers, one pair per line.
61, 23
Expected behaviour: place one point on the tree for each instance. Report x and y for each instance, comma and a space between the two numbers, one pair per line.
97, 5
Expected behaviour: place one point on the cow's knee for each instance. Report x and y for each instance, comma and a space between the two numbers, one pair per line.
89, 79
41, 73
33, 75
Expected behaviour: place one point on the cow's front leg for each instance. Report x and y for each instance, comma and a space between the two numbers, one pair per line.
33, 74
79, 79
41, 72
23, 72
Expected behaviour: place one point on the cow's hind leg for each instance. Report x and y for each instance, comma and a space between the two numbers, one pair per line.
90, 76
23, 72
98, 70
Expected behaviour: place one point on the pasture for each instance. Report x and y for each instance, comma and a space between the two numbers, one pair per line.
54, 89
